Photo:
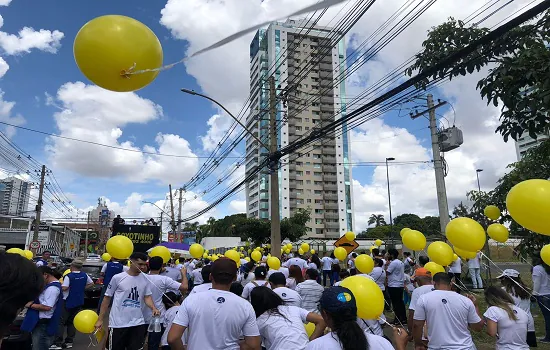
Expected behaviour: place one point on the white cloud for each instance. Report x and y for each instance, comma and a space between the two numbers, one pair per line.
7, 115
3, 67
5, 2
93, 114
28, 39
238, 206
218, 125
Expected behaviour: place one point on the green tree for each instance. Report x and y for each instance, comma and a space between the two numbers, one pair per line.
412, 221
377, 232
294, 228
520, 81
431, 224
377, 220
255, 230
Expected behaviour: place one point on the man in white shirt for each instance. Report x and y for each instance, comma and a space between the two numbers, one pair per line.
282, 269
296, 261
129, 291
396, 285
196, 275
206, 284
216, 318
326, 263
455, 270
289, 296
448, 316
475, 271
310, 291
425, 285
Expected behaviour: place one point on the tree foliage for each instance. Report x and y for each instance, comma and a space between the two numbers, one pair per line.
377, 220
519, 78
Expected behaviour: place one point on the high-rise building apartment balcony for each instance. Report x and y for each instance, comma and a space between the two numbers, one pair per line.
329, 177
330, 197
327, 186
329, 168
332, 225
331, 206
333, 216
329, 151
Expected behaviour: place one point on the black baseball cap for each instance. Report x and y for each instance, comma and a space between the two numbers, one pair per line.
337, 299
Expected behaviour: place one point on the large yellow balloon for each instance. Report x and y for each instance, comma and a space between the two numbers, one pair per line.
107, 46
304, 247
120, 247
492, 212
340, 253
256, 255
368, 296
466, 234
465, 254
498, 232
16, 251
85, 320
274, 263
403, 231
545, 254
455, 257
378, 242
434, 267
233, 255
205, 256
364, 263
287, 251
106, 257
529, 205
161, 251
441, 253
310, 328
414, 240
350, 236
196, 250
28, 254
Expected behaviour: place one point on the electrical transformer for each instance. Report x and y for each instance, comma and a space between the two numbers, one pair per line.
450, 139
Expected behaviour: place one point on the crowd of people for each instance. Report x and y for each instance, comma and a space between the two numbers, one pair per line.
200, 304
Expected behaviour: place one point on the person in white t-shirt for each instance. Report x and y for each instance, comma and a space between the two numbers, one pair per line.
284, 270
424, 285
521, 294
282, 326
396, 284
129, 291
296, 261
289, 296
260, 274
455, 269
206, 285
171, 303
474, 268
448, 316
339, 310
505, 321
351, 264
295, 277
217, 318
196, 274
326, 263
541, 291
378, 274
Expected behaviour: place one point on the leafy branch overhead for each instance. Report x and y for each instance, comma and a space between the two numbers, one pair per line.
519, 73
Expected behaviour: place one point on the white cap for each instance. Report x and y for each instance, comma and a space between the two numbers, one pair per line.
509, 273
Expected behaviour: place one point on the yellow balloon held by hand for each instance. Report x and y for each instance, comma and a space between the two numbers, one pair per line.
529, 205
434, 268
466, 234
120, 247
85, 320
414, 240
368, 296
441, 253
498, 232
196, 250
107, 48
492, 212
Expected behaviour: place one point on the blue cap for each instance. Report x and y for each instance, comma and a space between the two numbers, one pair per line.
336, 299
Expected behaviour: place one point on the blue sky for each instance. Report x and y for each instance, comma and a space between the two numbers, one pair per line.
190, 25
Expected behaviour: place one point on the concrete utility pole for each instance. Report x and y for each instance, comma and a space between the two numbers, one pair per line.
173, 222
86, 240
179, 215
438, 163
160, 223
274, 169
39, 204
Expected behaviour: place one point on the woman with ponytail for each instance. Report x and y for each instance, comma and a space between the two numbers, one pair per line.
339, 310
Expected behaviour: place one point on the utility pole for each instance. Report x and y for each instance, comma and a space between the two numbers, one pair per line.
179, 215
172, 223
274, 169
86, 240
438, 163
39, 204
160, 223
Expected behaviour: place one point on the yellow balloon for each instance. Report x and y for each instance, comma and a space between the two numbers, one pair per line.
529, 205
161, 251
304, 247
214, 248
177, 262
129, 263
268, 246
106, 257
498, 232
378, 242
434, 267
414, 240
287, 251
108, 46
85, 320
247, 259
372, 247
403, 231
340, 253
368, 296
241, 249
66, 272
441, 253
269, 255
247, 243
364, 263
28, 254
455, 257
545, 254
233, 255
492, 212
310, 328
120, 247
466, 234
256, 255
196, 250
289, 246
301, 251
274, 263
205, 256
465, 254
214, 258
312, 251
16, 251
350, 236
241, 255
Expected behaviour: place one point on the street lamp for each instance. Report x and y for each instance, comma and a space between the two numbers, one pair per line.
172, 223
477, 174
389, 198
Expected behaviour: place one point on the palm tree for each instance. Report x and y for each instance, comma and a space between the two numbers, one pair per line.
377, 220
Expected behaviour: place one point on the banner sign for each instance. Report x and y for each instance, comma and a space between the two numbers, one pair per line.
144, 237
187, 237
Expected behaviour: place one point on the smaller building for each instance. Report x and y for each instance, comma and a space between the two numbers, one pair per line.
14, 196
57, 238
14, 231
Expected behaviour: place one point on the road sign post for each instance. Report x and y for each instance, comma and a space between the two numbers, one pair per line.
345, 243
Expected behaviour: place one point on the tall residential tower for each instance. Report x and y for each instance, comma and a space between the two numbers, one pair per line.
303, 62
14, 196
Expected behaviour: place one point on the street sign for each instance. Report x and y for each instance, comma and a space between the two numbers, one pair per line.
71, 246
345, 243
34, 245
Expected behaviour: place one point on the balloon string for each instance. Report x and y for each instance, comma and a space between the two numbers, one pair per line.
147, 278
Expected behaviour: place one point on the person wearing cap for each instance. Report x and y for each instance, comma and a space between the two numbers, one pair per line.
216, 318
289, 296
448, 316
43, 314
339, 310
425, 285
260, 274
521, 295
74, 284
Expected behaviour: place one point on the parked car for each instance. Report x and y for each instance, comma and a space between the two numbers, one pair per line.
94, 257
55, 260
16, 338
93, 269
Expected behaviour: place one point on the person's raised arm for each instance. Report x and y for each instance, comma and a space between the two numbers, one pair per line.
184, 282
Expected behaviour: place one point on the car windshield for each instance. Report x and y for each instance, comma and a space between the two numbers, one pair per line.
92, 270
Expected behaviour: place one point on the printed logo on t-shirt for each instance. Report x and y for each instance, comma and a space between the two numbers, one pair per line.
133, 299
221, 300
283, 294
444, 301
